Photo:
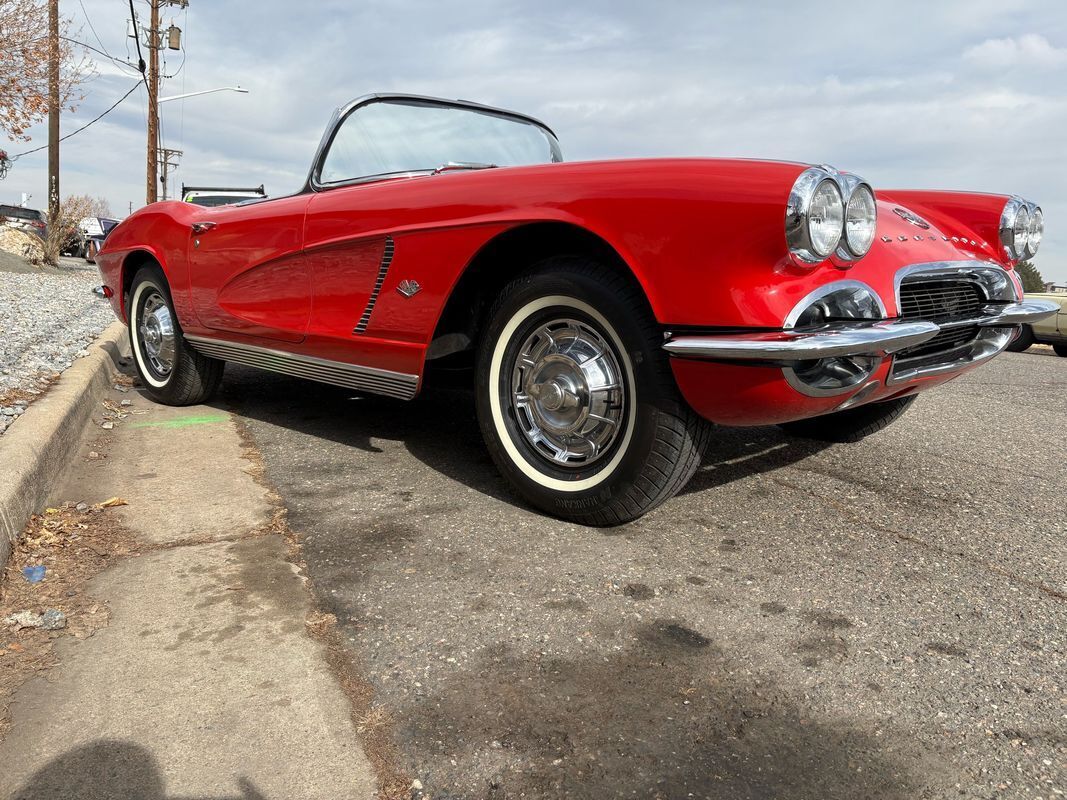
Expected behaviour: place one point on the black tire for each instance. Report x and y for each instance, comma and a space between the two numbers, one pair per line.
1061, 349
1024, 341
191, 377
653, 447
849, 425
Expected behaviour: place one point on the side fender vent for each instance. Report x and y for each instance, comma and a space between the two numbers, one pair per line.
383, 270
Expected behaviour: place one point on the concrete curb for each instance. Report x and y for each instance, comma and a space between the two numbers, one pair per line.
37, 449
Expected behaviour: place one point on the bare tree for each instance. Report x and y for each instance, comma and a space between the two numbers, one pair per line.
24, 66
99, 207
65, 226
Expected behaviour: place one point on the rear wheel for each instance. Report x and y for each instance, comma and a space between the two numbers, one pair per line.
171, 371
1023, 341
1061, 349
852, 424
576, 400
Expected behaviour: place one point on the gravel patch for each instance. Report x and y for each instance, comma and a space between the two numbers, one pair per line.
47, 319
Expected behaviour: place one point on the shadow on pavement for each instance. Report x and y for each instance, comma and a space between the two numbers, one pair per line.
107, 770
667, 717
440, 429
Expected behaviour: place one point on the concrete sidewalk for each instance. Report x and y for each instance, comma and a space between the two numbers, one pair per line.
206, 682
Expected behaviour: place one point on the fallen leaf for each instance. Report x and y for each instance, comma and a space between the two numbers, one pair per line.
112, 502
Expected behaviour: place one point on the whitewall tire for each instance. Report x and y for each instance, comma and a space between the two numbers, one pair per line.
171, 371
575, 397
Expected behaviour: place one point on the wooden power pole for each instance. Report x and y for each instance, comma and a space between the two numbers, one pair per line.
53, 111
153, 104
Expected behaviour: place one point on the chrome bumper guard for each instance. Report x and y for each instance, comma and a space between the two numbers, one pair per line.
853, 339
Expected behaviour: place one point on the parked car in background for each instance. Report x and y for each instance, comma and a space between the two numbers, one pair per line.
1051, 330
27, 219
607, 310
220, 195
94, 231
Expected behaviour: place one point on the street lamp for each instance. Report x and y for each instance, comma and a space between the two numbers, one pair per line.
168, 154
205, 91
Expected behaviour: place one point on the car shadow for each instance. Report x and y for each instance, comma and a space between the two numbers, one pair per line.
439, 428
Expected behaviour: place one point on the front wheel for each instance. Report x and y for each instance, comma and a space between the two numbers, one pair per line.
1023, 342
1061, 349
576, 400
171, 371
852, 424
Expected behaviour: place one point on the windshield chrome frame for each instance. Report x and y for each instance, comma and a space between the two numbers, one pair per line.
314, 181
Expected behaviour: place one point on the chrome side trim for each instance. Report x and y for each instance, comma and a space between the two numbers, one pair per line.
352, 376
990, 342
822, 291
383, 270
875, 339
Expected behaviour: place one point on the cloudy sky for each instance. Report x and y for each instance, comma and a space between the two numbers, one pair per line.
961, 94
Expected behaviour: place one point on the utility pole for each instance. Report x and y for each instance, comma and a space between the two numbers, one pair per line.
165, 156
53, 111
153, 107
155, 44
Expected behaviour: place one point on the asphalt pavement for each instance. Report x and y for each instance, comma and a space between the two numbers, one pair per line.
878, 620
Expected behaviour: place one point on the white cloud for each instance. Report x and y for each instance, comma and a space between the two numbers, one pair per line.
885, 93
1029, 50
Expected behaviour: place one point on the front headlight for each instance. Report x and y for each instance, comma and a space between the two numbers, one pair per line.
861, 221
826, 218
830, 213
1021, 230
1037, 230
1022, 224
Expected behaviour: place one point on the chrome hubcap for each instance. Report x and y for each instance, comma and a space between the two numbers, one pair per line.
157, 337
567, 392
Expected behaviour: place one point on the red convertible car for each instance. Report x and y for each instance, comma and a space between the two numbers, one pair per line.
610, 310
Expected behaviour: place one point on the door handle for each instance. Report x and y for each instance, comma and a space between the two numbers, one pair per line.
203, 227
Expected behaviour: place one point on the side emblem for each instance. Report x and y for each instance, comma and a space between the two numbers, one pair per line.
408, 287
914, 219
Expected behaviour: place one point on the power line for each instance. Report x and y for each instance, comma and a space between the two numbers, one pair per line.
101, 52
137, 38
17, 156
99, 41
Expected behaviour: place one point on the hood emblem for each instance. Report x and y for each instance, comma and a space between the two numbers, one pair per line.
914, 219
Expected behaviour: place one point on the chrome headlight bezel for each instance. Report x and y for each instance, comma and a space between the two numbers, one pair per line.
798, 236
1019, 247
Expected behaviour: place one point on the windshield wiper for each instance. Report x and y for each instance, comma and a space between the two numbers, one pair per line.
451, 166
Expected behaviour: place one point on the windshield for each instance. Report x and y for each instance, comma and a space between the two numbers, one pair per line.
395, 136
212, 200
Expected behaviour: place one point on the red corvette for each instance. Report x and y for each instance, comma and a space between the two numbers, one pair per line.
610, 310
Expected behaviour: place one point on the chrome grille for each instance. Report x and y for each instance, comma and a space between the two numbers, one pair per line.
947, 340
940, 300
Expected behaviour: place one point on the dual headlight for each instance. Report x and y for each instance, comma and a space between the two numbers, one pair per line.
1021, 227
828, 213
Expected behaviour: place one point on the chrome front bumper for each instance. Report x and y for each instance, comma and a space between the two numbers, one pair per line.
849, 339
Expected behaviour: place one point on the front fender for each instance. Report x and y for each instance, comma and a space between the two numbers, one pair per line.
160, 233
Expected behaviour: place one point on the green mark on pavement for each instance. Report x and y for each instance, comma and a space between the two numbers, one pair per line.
183, 422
